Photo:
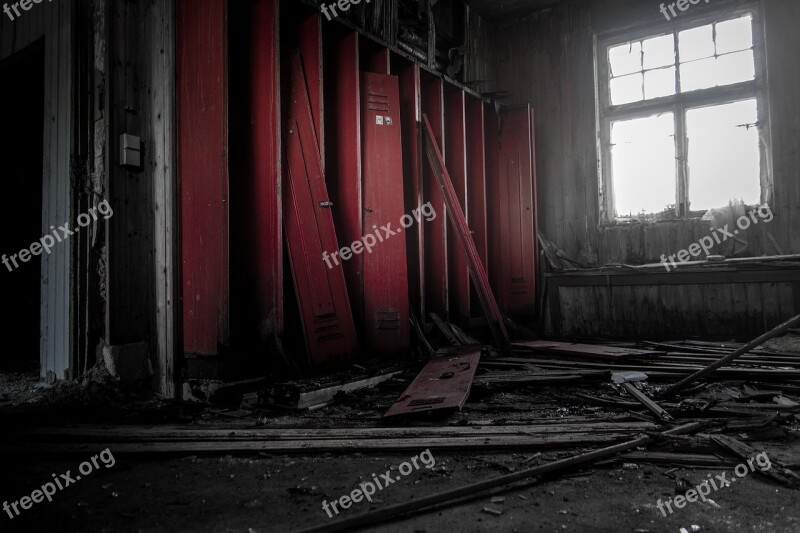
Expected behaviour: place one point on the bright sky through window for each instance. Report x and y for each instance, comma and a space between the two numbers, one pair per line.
721, 136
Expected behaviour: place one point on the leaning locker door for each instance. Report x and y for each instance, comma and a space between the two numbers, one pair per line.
321, 291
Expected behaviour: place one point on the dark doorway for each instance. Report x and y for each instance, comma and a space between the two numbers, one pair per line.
21, 147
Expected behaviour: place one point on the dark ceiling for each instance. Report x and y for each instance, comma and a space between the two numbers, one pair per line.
507, 9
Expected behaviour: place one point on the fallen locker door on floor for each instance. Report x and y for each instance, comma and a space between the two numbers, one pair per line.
317, 272
443, 384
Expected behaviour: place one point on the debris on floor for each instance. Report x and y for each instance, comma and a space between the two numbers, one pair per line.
554, 409
443, 384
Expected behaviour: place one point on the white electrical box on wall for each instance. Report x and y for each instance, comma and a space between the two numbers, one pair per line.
130, 149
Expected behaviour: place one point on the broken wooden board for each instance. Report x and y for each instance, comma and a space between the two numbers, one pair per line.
443, 384
445, 329
586, 351
462, 336
304, 395
714, 367
459, 494
683, 459
423, 343
477, 444
773, 469
652, 406
172, 433
463, 235
657, 370
539, 378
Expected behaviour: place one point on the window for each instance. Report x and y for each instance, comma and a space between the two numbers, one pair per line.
679, 120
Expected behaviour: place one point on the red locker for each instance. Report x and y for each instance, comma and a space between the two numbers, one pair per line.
476, 188
513, 224
455, 145
343, 153
308, 222
437, 282
463, 235
201, 74
410, 107
385, 270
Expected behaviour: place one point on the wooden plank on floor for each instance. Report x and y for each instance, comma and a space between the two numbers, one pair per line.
478, 443
94, 433
324, 395
589, 351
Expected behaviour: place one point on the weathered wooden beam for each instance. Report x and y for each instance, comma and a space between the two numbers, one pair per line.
729, 358
445, 329
450, 496
647, 402
773, 470
180, 434
478, 444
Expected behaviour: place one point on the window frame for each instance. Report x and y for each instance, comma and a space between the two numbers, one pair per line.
677, 104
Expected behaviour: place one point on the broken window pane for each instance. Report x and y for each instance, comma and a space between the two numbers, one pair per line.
735, 35
658, 83
626, 89
643, 164
724, 160
659, 52
697, 43
625, 59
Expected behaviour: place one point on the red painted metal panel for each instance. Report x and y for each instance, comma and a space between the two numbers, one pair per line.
436, 275
455, 145
467, 245
309, 41
203, 168
343, 171
255, 218
444, 383
321, 291
492, 131
410, 101
386, 306
514, 214
476, 185
535, 189
264, 208
375, 57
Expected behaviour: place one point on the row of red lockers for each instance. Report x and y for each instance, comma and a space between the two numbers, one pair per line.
344, 174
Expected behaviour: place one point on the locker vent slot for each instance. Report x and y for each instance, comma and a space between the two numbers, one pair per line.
378, 102
387, 319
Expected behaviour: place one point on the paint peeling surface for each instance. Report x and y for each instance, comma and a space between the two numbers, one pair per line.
443, 384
